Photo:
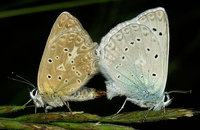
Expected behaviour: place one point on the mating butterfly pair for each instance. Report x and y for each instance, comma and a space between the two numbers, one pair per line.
133, 57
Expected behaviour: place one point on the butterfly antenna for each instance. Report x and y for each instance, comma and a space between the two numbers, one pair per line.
22, 80
180, 91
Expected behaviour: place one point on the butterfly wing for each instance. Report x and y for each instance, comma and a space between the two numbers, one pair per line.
157, 21
134, 56
68, 60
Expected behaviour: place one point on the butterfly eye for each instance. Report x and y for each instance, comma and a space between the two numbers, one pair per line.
160, 33
34, 92
166, 98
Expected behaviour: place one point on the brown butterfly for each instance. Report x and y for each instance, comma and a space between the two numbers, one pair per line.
68, 62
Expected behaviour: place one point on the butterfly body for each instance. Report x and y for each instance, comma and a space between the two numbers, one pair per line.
50, 100
134, 59
68, 62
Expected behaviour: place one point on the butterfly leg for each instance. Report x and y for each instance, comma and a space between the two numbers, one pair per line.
163, 111
45, 110
35, 109
146, 114
120, 108
28, 102
66, 104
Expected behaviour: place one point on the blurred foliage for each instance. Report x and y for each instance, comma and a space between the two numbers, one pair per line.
45, 7
80, 120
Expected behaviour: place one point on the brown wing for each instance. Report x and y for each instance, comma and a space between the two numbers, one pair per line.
68, 61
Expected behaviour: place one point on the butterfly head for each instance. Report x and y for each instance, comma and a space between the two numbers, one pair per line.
162, 104
37, 98
153, 101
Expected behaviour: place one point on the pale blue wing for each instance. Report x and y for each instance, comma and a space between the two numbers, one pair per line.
156, 19
134, 58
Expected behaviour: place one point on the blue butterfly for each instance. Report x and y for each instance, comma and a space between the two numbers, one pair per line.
134, 59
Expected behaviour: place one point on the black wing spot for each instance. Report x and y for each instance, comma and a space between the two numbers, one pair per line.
57, 57
156, 56
50, 60
59, 77
126, 49
154, 74
154, 29
132, 43
49, 76
118, 76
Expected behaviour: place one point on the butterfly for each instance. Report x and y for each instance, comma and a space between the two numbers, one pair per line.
68, 62
134, 60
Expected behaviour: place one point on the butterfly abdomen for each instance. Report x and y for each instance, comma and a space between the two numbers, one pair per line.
84, 94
